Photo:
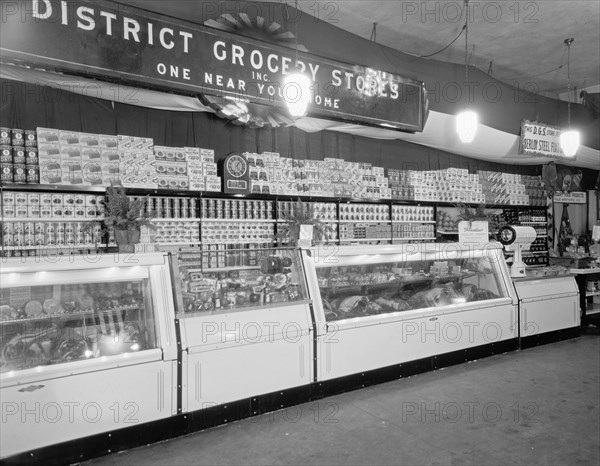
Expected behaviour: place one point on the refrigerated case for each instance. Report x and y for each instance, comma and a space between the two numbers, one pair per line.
547, 304
87, 345
380, 306
246, 325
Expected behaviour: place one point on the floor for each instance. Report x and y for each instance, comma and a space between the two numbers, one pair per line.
537, 406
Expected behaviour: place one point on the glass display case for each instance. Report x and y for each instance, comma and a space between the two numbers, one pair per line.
51, 320
381, 306
223, 279
83, 330
357, 288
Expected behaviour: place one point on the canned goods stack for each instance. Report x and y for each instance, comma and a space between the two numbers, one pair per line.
18, 205
177, 232
36, 235
236, 209
18, 156
215, 232
173, 207
325, 211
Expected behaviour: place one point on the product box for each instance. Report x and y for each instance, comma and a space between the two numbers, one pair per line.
48, 150
210, 169
106, 141
67, 138
89, 139
193, 158
47, 135
143, 144
138, 169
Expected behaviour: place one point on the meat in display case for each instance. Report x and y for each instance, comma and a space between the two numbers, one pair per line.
245, 321
70, 325
388, 305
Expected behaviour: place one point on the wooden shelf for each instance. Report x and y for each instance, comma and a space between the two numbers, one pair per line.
54, 219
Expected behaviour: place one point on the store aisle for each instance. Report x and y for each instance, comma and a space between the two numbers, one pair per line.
537, 406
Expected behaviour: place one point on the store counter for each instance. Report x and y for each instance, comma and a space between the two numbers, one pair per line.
548, 309
589, 313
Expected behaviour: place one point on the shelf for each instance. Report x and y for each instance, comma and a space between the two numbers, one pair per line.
188, 243
414, 221
223, 269
589, 294
399, 282
414, 239
54, 246
71, 315
592, 309
237, 220
175, 220
363, 239
55, 188
60, 219
448, 232
322, 221
366, 221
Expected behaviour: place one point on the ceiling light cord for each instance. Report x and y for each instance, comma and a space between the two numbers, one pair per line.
466, 40
440, 51
569, 42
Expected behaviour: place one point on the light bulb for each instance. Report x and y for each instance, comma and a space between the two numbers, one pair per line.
569, 142
296, 93
466, 125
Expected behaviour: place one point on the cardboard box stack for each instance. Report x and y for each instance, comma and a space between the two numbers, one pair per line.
187, 168
449, 185
137, 162
331, 177
503, 188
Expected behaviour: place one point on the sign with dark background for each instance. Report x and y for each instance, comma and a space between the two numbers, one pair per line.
106, 40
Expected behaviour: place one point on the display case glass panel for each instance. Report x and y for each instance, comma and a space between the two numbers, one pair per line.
49, 318
357, 287
222, 279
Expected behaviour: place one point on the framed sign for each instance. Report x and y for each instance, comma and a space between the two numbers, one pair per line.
540, 139
571, 198
111, 41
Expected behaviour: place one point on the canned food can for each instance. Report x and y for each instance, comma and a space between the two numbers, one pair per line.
60, 239
18, 155
28, 239
40, 239
18, 239
33, 174
184, 207
18, 228
30, 138
6, 154
7, 173
5, 136
38, 228
69, 239
174, 205
17, 137
69, 228
8, 228
19, 173
31, 156
59, 228
193, 208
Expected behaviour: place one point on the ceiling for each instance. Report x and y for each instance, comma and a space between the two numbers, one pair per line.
523, 40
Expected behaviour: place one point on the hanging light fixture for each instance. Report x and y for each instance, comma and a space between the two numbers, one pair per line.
569, 140
467, 120
296, 86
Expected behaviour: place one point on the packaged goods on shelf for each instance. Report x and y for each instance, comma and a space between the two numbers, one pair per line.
138, 169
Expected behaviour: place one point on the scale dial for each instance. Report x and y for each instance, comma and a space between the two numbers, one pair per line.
236, 166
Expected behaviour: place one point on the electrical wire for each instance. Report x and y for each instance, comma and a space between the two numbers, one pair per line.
440, 51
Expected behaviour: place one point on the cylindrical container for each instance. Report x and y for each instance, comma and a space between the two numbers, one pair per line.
40, 239
17, 137
69, 228
5, 136
31, 156
175, 207
18, 155
33, 174
18, 228
38, 228
6, 154
30, 138
50, 229
7, 173
20, 174
60, 239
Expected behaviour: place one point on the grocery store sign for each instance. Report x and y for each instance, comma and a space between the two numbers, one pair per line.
571, 198
109, 40
540, 139
475, 232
